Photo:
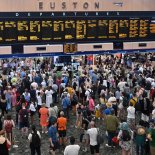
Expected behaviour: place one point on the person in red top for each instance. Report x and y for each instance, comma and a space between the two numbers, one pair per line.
62, 123
91, 104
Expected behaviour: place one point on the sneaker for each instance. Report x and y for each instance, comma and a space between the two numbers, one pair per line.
46, 132
15, 146
84, 150
107, 145
42, 131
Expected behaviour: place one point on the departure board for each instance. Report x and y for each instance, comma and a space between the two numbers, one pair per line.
70, 29
10, 31
113, 29
47, 30
143, 28
134, 28
103, 29
60, 28
152, 29
23, 31
70, 48
81, 29
35, 30
123, 28
1, 31
91, 29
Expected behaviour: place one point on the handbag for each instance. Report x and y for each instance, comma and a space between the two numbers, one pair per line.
100, 137
115, 140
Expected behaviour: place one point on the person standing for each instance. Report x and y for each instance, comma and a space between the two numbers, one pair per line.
91, 104
72, 149
32, 111
8, 126
43, 118
131, 116
3, 104
24, 119
111, 123
151, 137
62, 123
49, 99
92, 134
66, 104
35, 141
125, 139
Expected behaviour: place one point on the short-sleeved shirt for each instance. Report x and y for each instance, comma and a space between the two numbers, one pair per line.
52, 133
93, 136
62, 122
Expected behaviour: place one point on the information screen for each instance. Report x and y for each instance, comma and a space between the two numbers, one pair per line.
76, 29
70, 48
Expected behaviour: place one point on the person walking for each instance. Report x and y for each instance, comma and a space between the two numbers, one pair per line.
35, 141
53, 138
4, 143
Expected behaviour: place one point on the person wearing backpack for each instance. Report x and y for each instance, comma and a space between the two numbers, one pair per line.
125, 136
24, 120
8, 126
35, 141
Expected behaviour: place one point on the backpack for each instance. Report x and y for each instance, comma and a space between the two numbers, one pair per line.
126, 135
125, 102
8, 126
24, 115
36, 142
75, 98
100, 137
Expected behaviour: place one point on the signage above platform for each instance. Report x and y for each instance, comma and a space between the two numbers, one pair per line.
76, 5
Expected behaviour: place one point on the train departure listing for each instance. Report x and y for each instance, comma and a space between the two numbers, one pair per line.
79, 29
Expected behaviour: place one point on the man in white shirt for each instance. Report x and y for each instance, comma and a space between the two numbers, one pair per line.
87, 93
72, 149
92, 134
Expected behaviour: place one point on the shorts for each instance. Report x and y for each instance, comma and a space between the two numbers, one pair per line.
32, 113
55, 147
24, 125
62, 133
94, 149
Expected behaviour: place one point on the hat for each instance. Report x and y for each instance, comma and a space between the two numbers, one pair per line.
124, 126
141, 131
109, 105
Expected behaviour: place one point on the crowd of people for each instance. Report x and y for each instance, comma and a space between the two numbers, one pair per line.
112, 104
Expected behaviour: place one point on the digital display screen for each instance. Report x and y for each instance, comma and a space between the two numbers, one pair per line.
76, 29
70, 48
